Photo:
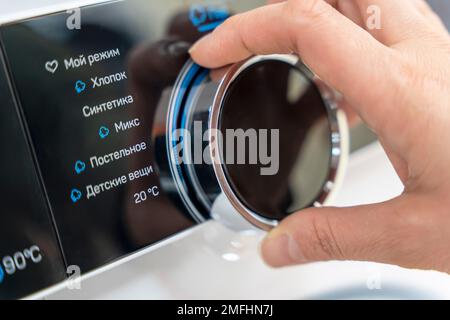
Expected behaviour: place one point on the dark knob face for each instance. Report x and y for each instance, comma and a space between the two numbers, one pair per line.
277, 139
259, 136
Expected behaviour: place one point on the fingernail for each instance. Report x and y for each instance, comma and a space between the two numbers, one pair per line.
280, 249
192, 48
196, 45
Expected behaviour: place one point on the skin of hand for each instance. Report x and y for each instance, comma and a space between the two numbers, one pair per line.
397, 79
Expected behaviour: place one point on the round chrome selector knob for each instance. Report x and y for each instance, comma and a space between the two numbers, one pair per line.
265, 133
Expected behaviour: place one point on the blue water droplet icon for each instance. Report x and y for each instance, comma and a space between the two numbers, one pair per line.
103, 132
75, 195
80, 86
80, 166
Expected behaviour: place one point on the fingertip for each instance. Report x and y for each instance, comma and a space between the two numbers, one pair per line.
273, 253
279, 249
199, 51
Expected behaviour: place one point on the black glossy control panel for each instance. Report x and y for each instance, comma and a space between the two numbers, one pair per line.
29, 253
84, 105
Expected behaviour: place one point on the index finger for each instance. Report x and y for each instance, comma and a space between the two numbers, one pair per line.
340, 52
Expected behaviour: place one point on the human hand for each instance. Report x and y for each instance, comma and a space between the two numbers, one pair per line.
397, 79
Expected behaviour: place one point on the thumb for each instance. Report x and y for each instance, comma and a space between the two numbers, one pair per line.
366, 233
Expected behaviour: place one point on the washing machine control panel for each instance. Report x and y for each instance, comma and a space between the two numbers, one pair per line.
85, 169
115, 140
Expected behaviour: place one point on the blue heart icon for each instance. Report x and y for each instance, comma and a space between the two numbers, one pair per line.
80, 86
103, 132
80, 166
75, 195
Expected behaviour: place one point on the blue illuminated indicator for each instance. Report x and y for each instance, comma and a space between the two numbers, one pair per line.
75, 195
80, 166
198, 14
207, 18
103, 132
80, 86
2, 274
